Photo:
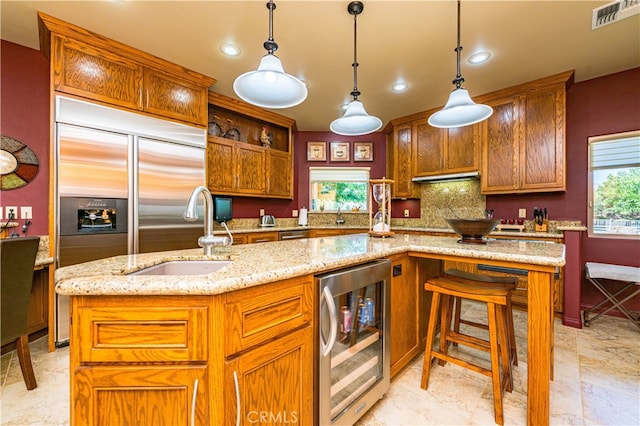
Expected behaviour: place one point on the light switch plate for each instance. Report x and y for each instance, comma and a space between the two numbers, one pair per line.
26, 212
261, 212
522, 213
294, 213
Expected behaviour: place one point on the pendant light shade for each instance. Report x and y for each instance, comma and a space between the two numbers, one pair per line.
460, 109
355, 121
270, 86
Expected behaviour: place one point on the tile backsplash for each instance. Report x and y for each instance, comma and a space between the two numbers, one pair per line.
453, 199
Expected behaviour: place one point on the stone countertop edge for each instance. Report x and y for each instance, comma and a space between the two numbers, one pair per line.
398, 229
256, 264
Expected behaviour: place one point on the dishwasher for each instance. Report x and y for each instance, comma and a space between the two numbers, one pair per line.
354, 343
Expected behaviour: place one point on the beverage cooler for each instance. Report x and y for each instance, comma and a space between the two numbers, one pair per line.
353, 341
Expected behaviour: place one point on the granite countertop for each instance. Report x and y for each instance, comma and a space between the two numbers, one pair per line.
255, 264
400, 229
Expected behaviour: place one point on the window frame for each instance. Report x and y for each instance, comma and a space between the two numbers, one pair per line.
590, 183
337, 170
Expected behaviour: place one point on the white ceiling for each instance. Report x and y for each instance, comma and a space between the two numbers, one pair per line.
409, 40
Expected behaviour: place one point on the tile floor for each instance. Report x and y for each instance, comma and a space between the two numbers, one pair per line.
597, 382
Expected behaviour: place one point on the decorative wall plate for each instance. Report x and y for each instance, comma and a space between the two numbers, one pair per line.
18, 164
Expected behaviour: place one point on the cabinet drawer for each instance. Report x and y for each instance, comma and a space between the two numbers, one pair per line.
164, 330
258, 314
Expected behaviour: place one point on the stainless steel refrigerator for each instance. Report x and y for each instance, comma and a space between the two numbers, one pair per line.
122, 183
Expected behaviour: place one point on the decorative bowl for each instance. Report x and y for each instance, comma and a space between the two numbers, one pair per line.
473, 231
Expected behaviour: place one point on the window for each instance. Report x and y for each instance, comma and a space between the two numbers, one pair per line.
346, 188
614, 185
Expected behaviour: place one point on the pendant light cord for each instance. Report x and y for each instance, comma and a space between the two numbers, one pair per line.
458, 80
355, 12
270, 45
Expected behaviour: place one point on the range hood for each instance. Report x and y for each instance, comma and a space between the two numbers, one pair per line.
446, 178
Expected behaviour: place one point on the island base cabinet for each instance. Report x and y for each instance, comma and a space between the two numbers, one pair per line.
141, 396
273, 383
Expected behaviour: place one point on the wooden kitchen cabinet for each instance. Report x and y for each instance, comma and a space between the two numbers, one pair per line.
96, 68
405, 312
523, 142
269, 348
142, 360
169, 96
262, 237
38, 314
400, 160
242, 165
444, 151
144, 395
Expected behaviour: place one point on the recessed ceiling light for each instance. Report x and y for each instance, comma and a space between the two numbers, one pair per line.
478, 58
230, 49
399, 86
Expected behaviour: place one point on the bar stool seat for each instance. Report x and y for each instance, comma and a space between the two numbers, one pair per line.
495, 297
479, 280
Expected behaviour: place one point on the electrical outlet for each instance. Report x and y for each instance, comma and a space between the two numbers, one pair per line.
294, 213
9, 210
522, 213
26, 212
406, 212
261, 212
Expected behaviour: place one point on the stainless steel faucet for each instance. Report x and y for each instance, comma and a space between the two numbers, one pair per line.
208, 240
339, 219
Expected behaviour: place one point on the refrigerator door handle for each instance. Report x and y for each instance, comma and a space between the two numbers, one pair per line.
327, 297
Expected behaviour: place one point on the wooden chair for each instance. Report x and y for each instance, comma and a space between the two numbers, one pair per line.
498, 344
479, 280
18, 260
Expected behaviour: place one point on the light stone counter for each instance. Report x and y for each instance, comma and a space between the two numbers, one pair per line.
255, 264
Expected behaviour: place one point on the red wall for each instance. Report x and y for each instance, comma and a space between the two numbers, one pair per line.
24, 80
301, 168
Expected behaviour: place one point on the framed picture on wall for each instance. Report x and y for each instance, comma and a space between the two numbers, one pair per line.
340, 151
316, 151
363, 151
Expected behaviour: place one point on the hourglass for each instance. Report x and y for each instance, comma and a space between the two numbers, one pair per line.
380, 220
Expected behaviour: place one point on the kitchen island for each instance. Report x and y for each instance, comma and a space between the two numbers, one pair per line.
290, 262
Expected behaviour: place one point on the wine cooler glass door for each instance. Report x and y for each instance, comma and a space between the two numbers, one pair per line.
352, 342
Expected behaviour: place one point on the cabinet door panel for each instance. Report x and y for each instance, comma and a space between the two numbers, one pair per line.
500, 148
277, 375
169, 96
140, 396
250, 169
405, 313
93, 73
279, 174
402, 161
220, 166
462, 149
429, 149
542, 156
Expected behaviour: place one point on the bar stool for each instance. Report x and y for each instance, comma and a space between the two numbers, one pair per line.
478, 279
498, 345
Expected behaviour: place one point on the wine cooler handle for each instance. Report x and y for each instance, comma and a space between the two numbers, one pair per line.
194, 401
333, 325
235, 379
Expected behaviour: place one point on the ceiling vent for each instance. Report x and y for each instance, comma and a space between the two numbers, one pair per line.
613, 12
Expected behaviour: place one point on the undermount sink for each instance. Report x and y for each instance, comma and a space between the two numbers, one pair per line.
184, 267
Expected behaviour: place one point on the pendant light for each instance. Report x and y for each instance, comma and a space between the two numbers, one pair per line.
460, 109
269, 86
355, 120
